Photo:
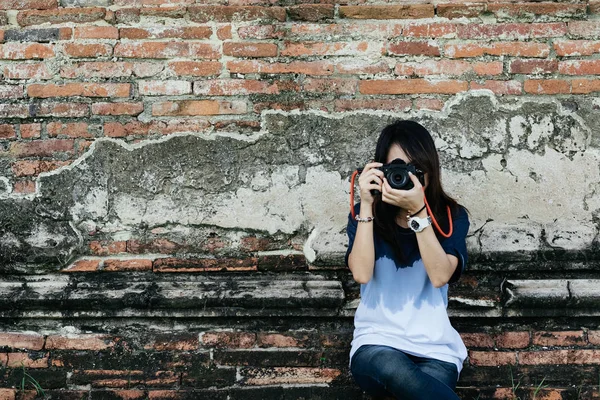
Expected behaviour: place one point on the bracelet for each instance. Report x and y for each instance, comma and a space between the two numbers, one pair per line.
422, 208
367, 219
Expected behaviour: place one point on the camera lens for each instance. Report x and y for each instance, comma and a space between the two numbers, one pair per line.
398, 180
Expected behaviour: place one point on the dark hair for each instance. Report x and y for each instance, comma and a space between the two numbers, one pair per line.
417, 143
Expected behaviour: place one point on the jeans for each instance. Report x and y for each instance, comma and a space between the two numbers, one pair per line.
383, 371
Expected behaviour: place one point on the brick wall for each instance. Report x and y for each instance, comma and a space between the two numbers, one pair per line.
118, 117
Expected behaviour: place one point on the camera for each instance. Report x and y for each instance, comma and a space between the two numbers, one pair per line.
396, 174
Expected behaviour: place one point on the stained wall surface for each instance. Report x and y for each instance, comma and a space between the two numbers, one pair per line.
175, 176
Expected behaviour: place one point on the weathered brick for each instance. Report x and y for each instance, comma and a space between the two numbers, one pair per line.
62, 15
511, 31
18, 340
224, 32
127, 15
477, 339
560, 338
164, 88
18, 360
288, 375
241, 340
531, 10
96, 32
127, 265
55, 109
35, 167
82, 266
585, 86
512, 340
326, 85
411, 86
333, 48
24, 186
246, 49
117, 108
70, 129
30, 131
234, 87
533, 66
166, 50
453, 10
585, 29
14, 111
205, 13
11, 91
32, 35
28, 4
414, 48
438, 30
104, 248
429, 104
517, 49
543, 357
161, 32
198, 107
37, 71
311, 12
7, 131
492, 358
101, 69
119, 129
298, 67
79, 89
282, 340
25, 51
165, 11
195, 68
362, 67
499, 87
546, 86
174, 341
570, 48
87, 50
448, 67
410, 11
42, 148
205, 264
579, 67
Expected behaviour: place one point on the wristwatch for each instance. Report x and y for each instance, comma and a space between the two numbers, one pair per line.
418, 224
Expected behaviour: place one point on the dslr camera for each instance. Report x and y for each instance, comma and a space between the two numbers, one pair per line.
396, 174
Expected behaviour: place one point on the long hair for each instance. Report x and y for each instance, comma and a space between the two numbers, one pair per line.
417, 143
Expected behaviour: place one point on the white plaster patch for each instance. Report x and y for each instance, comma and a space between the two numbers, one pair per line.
94, 206
43, 236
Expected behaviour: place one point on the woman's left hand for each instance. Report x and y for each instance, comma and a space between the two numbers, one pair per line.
411, 200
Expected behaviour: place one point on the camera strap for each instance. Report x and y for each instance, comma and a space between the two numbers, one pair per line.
435, 223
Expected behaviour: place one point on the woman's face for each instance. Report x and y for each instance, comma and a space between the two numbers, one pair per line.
397, 152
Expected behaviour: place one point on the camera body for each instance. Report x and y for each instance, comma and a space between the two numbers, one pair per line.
397, 176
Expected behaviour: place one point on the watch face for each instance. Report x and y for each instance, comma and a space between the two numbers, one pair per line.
414, 224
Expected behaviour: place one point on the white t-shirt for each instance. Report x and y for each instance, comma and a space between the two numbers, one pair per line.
400, 307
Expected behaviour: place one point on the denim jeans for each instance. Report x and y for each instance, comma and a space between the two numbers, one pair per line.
383, 371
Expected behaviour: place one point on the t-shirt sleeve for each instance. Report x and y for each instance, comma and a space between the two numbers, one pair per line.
351, 231
457, 243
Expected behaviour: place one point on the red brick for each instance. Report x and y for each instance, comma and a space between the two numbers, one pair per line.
127, 265
28, 4
499, 87
585, 29
96, 32
117, 108
53, 109
11, 91
414, 48
518, 49
24, 186
14, 111
37, 71
579, 67
281, 340
511, 31
196, 68
198, 107
477, 339
104, 69
234, 87
411, 11
429, 104
246, 49
35, 167
31, 131
224, 32
580, 356
18, 340
206, 264
594, 7
533, 66
448, 67
399, 105
561, 338
546, 9
166, 50
18, 360
79, 89
104, 248
25, 51
569, 48
82, 266
205, 13
492, 358
7, 131
87, 50
168, 11
460, 10
42, 148
161, 32
240, 340
585, 86
79, 342
299, 67
137, 128
288, 375
593, 337
411, 86
61, 15
311, 12
70, 129
439, 30
298, 49
512, 340
546, 86
325, 85
174, 342
165, 88
543, 357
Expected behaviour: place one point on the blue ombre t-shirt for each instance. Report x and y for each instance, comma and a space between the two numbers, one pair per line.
399, 307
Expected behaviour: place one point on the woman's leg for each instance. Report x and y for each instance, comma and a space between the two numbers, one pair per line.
396, 373
441, 370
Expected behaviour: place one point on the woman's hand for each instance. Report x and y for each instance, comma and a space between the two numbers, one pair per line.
370, 178
411, 200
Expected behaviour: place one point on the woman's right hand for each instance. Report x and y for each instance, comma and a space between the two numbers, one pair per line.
370, 178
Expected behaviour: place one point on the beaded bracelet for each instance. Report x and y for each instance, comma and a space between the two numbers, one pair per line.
367, 219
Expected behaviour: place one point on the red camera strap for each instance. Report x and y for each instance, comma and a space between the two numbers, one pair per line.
435, 223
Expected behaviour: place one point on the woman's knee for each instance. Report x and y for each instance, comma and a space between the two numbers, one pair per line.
387, 364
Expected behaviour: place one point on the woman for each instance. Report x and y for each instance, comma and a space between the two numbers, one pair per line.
404, 345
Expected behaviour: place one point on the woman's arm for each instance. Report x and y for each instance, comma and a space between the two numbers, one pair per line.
362, 257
